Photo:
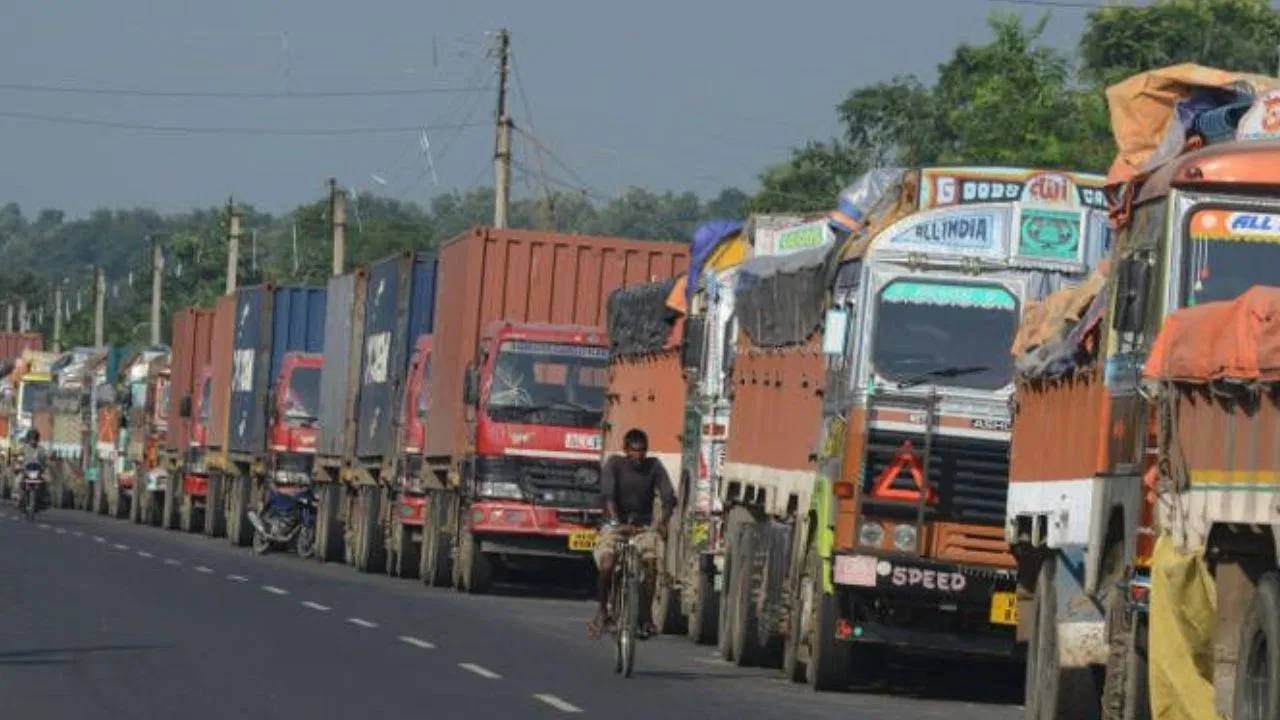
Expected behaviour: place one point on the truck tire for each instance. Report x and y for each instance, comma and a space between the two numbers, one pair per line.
172, 503
215, 509
189, 520
474, 571
435, 557
328, 527
1257, 691
666, 611
745, 629
704, 609
1125, 689
369, 556
134, 506
1054, 692
402, 556
239, 529
812, 654
725, 618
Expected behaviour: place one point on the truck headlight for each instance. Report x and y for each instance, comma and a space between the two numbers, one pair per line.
904, 537
501, 489
871, 533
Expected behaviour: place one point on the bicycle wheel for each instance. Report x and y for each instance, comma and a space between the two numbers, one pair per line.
618, 608
631, 612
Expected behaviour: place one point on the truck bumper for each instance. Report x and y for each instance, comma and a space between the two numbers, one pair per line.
921, 605
514, 528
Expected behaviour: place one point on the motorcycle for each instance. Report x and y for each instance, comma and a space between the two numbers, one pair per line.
32, 499
287, 519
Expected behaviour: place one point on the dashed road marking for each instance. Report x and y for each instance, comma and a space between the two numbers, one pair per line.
99, 539
78, 533
275, 590
145, 554
203, 569
237, 578
316, 606
44, 526
173, 562
416, 642
479, 670
557, 703
120, 546
362, 622
61, 531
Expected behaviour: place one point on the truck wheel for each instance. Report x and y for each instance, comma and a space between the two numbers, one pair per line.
328, 528
172, 503
812, 653
189, 520
435, 557
666, 609
1257, 692
215, 509
705, 609
239, 529
369, 556
1054, 692
745, 629
725, 618
134, 506
404, 552
474, 571
1124, 692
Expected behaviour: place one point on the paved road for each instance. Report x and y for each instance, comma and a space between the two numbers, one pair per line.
103, 619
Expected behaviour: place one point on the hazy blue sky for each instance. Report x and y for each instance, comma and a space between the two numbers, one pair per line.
669, 94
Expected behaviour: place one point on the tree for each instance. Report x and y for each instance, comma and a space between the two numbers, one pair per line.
810, 180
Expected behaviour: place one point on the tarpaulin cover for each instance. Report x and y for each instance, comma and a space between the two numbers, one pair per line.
780, 299
640, 320
706, 238
1183, 613
1151, 111
1236, 339
1050, 336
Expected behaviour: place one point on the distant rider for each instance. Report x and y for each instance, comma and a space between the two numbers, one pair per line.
630, 484
33, 456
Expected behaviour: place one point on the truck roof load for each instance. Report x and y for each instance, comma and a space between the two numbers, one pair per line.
1231, 340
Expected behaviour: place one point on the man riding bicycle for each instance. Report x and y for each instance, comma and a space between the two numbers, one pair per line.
631, 484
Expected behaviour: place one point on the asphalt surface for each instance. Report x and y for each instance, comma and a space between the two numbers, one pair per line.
103, 619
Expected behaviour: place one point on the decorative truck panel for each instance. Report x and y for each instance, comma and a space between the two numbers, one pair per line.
340, 378
192, 336
399, 307
1060, 429
224, 329
528, 277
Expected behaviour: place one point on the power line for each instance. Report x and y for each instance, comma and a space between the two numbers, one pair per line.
247, 94
1052, 4
210, 130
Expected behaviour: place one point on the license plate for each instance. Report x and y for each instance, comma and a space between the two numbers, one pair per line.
1004, 608
583, 540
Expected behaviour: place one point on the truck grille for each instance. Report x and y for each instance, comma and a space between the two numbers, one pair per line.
559, 484
971, 476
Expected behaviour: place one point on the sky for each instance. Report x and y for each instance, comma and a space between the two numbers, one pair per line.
666, 94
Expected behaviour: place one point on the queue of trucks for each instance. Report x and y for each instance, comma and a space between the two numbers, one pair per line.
982, 412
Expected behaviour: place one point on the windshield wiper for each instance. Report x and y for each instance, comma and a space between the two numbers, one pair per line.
947, 372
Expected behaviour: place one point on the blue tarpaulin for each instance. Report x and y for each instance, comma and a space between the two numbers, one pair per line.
705, 239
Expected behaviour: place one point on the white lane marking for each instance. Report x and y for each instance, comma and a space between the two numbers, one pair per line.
145, 554
410, 640
173, 562
275, 590
78, 533
237, 578
481, 671
99, 539
557, 703
203, 569
61, 531
362, 622
120, 546
44, 526
316, 606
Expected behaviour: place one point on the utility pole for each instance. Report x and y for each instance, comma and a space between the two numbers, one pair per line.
338, 225
233, 244
8, 316
23, 325
502, 144
157, 282
99, 306
57, 317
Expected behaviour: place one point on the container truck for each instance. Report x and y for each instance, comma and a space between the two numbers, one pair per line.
191, 374
268, 394
515, 397
865, 476
213, 416
1196, 228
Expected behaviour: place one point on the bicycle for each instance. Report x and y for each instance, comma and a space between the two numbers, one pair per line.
628, 578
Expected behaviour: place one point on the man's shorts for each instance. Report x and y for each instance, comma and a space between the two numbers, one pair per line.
647, 542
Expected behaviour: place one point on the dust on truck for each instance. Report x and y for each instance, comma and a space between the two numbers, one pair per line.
866, 471
1193, 228
516, 396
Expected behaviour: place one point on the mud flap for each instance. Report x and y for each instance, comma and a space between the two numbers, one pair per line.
1082, 627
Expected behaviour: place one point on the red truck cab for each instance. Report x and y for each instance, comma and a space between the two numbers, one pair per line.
535, 398
294, 417
195, 481
411, 503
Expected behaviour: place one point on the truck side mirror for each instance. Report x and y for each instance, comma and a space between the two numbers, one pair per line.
184, 407
471, 386
1131, 295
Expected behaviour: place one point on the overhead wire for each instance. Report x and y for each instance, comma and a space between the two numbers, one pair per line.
235, 94
219, 130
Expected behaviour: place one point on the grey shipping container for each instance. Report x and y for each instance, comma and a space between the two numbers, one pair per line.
340, 379
270, 321
399, 306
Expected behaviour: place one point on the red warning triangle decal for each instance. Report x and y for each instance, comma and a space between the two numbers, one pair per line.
904, 459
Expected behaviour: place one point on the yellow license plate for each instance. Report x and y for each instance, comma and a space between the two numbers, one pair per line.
583, 540
1004, 608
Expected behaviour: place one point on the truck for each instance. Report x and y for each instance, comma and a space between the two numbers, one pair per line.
375, 319
136, 485
191, 374
266, 387
515, 398
69, 428
1194, 228
865, 477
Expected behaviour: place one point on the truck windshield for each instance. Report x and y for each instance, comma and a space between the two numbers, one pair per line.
1227, 253
549, 384
36, 395
944, 333
302, 401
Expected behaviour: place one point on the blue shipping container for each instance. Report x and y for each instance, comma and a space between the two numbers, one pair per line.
400, 302
270, 322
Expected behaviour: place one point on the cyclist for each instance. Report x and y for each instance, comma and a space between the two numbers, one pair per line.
631, 483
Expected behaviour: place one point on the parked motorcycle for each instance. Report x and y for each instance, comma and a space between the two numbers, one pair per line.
287, 519
33, 496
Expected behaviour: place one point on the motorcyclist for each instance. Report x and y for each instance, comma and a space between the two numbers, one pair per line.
33, 458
